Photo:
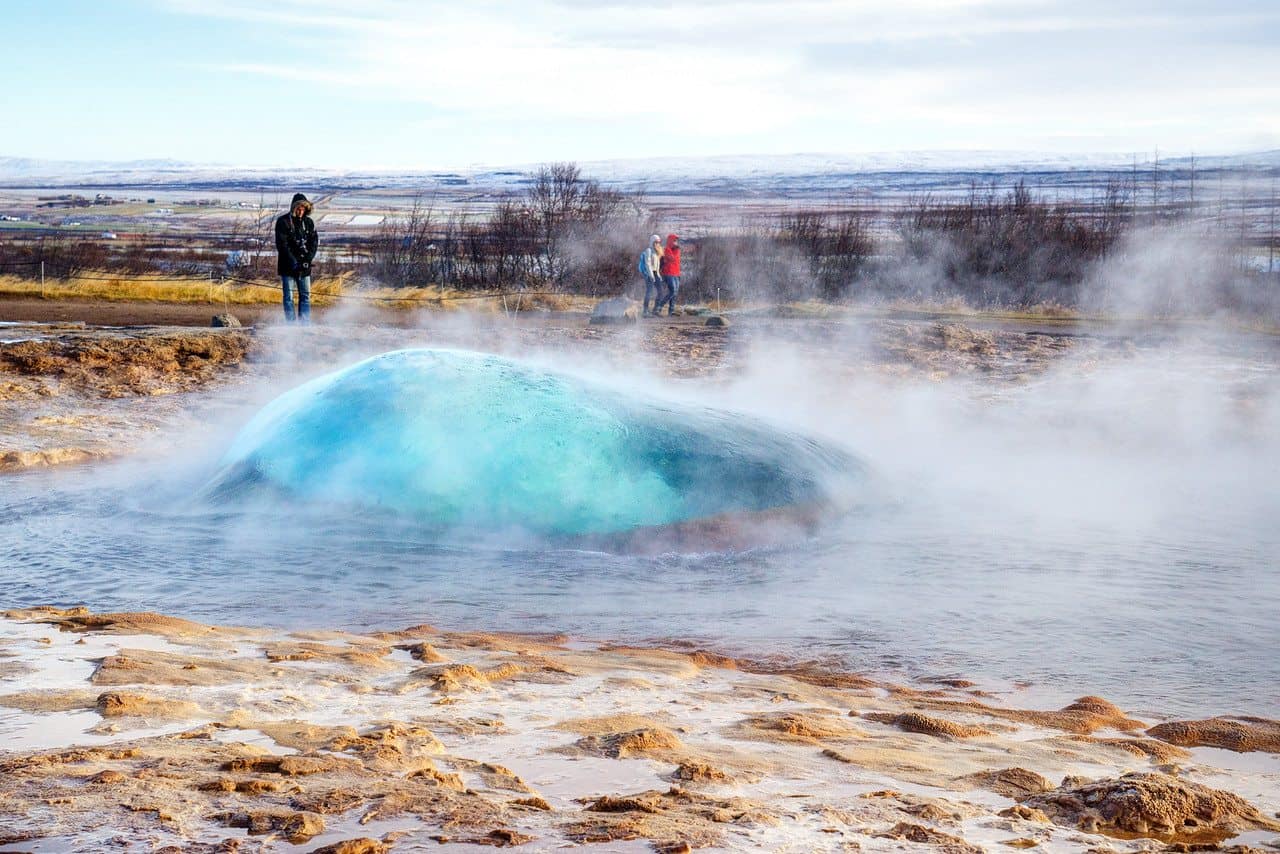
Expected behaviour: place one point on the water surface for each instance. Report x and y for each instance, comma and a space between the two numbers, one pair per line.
1109, 532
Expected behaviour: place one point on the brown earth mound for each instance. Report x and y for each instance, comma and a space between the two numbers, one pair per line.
649, 741
1015, 783
1152, 805
145, 666
916, 722
810, 726
1242, 735
119, 363
80, 619
928, 836
1082, 717
119, 704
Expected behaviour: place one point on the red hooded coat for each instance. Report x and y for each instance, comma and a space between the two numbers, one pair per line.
670, 265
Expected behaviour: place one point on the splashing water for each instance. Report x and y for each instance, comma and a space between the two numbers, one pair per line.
460, 439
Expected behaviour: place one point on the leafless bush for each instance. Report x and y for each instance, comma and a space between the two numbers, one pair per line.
800, 255
1011, 248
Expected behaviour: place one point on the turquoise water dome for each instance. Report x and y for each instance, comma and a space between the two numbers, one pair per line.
471, 440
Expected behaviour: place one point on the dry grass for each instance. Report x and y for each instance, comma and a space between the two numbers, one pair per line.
125, 288
448, 299
324, 292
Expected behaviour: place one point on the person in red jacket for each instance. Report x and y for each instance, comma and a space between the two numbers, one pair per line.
670, 270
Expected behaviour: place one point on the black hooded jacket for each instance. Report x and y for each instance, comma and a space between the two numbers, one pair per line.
296, 242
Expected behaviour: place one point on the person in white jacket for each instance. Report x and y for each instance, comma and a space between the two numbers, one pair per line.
649, 265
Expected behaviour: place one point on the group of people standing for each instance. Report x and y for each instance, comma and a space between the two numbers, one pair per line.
660, 266
297, 241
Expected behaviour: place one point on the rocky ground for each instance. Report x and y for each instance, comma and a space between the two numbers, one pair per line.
143, 732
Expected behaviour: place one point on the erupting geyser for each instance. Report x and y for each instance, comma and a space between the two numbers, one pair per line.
468, 440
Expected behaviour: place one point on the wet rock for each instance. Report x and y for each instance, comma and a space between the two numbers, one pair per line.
648, 802
451, 678
291, 766
107, 778
424, 652
809, 726
928, 836
393, 747
1015, 783
534, 803
225, 321
296, 827
494, 776
718, 320
439, 778
49, 758
678, 847
116, 704
361, 845
501, 838
370, 657
124, 623
1156, 751
925, 725
329, 802
1242, 734
21, 460
1152, 805
699, 772
1082, 717
145, 666
616, 310
648, 741
120, 363
49, 701
296, 735
1025, 813
244, 787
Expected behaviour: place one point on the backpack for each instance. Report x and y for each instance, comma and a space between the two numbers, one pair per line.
643, 267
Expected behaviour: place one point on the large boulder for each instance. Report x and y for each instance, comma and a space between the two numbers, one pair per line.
1151, 805
616, 310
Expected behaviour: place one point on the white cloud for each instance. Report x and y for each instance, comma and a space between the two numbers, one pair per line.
759, 71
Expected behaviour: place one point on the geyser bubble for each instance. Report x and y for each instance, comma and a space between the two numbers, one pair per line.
457, 439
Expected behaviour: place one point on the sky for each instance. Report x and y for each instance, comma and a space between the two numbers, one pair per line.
399, 84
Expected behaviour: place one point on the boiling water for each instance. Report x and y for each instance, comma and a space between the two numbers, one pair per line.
1110, 532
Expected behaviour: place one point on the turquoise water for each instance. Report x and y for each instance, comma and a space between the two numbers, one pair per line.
455, 439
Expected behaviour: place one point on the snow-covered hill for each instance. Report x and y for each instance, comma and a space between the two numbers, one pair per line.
747, 174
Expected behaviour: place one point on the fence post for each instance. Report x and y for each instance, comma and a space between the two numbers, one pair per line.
42, 280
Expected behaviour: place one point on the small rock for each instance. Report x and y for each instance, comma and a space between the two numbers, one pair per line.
718, 320
225, 321
616, 310
699, 772
361, 845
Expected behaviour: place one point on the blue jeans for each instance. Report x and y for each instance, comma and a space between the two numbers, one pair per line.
669, 298
303, 284
652, 291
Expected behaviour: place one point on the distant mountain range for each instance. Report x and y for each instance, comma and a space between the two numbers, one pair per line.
719, 174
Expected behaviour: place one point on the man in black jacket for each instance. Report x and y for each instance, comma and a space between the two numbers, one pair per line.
296, 242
